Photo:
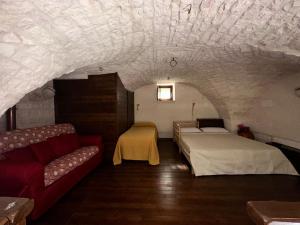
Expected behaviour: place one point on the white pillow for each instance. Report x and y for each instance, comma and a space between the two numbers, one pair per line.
190, 130
214, 130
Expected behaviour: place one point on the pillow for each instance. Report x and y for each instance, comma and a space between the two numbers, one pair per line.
214, 130
20, 155
190, 130
64, 144
43, 152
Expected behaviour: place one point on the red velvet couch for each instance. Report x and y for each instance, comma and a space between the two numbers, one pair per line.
43, 163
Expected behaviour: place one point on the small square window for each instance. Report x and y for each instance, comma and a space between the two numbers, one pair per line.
165, 93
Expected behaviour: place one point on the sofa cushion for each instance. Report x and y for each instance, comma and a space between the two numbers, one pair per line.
20, 155
63, 165
20, 138
43, 152
64, 144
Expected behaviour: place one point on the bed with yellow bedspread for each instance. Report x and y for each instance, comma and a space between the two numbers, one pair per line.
138, 143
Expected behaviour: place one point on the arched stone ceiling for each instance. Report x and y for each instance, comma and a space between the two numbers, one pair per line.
228, 49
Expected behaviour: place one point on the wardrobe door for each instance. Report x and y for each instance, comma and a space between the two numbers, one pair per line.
97, 105
121, 107
89, 104
130, 108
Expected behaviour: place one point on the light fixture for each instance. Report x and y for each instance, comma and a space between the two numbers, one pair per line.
297, 92
173, 62
193, 107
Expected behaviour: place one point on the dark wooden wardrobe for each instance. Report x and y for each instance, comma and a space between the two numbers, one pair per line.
97, 105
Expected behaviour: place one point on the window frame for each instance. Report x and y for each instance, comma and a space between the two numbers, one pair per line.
171, 87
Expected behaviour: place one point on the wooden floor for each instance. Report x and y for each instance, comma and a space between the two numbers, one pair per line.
136, 193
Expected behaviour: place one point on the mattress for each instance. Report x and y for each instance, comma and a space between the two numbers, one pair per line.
226, 153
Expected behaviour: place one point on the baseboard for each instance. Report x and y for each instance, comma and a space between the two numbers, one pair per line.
165, 134
165, 139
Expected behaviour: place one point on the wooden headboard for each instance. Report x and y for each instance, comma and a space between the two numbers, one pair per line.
210, 123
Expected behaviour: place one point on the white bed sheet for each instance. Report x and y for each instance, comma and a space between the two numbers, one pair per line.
190, 130
226, 153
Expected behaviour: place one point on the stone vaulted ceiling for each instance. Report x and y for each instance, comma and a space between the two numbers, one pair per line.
227, 49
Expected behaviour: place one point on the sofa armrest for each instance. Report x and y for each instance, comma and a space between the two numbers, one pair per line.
88, 140
21, 179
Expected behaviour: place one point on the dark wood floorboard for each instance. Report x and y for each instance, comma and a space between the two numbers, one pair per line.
136, 193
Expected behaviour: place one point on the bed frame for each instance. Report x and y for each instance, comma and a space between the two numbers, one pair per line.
200, 123
210, 123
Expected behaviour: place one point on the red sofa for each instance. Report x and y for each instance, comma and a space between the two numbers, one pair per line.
43, 163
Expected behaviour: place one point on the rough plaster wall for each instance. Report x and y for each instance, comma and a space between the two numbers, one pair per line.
36, 108
2, 123
277, 111
164, 113
228, 49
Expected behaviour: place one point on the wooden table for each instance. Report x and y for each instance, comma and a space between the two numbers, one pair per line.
274, 212
4, 221
14, 210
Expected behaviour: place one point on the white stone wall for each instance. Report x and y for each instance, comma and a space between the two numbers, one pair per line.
228, 49
36, 108
164, 113
2, 123
277, 111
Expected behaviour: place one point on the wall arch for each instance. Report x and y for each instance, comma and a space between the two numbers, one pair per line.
163, 114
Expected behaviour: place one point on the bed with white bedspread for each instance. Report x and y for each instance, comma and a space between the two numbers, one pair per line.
224, 153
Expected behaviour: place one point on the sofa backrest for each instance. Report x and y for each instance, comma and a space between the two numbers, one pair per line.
21, 138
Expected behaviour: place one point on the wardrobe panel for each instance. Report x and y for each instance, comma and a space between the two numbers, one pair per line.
97, 105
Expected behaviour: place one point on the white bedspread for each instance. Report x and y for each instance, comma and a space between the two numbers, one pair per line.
226, 153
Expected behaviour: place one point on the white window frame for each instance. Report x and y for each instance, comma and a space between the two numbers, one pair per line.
172, 90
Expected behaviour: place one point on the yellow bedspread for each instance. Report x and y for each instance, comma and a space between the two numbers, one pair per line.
138, 143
